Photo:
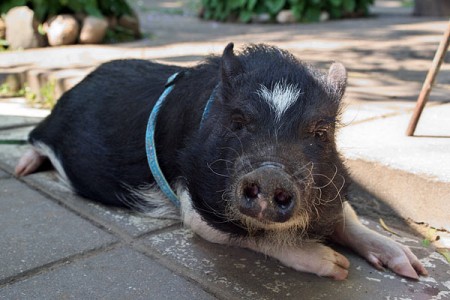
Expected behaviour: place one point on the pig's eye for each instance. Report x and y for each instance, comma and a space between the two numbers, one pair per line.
321, 134
320, 131
238, 121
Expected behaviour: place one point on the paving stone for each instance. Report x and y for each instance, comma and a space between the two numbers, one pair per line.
382, 47
132, 223
7, 122
247, 275
359, 111
16, 133
36, 231
414, 164
117, 274
3, 174
10, 154
18, 107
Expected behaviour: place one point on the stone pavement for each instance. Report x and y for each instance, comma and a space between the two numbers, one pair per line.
56, 245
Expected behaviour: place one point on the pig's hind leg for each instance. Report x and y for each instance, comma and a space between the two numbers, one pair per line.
377, 249
35, 157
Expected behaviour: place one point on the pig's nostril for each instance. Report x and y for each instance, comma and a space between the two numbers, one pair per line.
251, 191
282, 198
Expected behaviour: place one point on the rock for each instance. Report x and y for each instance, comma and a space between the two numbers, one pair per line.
261, 18
22, 29
130, 22
62, 30
324, 16
93, 30
2, 29
285, 16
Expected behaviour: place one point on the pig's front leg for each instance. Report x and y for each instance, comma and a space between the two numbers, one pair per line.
377, 249
311, 257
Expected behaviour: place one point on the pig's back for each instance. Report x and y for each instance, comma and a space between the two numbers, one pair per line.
97, 129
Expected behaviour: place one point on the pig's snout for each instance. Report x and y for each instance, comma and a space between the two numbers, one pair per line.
267, 194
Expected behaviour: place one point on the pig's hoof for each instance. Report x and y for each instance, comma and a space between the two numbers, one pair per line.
317, 259
334, 265
29, 162
386, 252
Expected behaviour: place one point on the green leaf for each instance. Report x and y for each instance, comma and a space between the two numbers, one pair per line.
444, 252
315, 2
260, 8
93, 11
7, 5
312, 14
426, 242
54, 7
349, 5
335, 13
41, 29
75, 6
235, 4
274, 6
251, 4
297, 10
245, 16
335, 3
40, 9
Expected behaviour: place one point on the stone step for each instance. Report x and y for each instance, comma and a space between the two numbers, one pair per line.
410, 174
42, 80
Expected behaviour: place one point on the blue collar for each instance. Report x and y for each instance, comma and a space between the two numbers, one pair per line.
150, 137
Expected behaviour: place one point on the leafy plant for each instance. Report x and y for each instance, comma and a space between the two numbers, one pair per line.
45, 8
119, 34
5, 90
45, 99
3, 45
48, 94
303, 10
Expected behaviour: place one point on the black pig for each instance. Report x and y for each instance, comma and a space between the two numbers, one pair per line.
247, 142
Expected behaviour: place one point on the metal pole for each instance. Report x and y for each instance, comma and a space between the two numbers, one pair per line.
429, 80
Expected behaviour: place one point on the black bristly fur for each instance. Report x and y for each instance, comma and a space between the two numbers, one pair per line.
213, 151
97, 129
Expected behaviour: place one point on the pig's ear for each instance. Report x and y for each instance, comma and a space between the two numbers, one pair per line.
337, 78
231, 66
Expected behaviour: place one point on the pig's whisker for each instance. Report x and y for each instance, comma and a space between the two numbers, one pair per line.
214, 212
217, 173
330, 180
332, 183
303, 169
232, 149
